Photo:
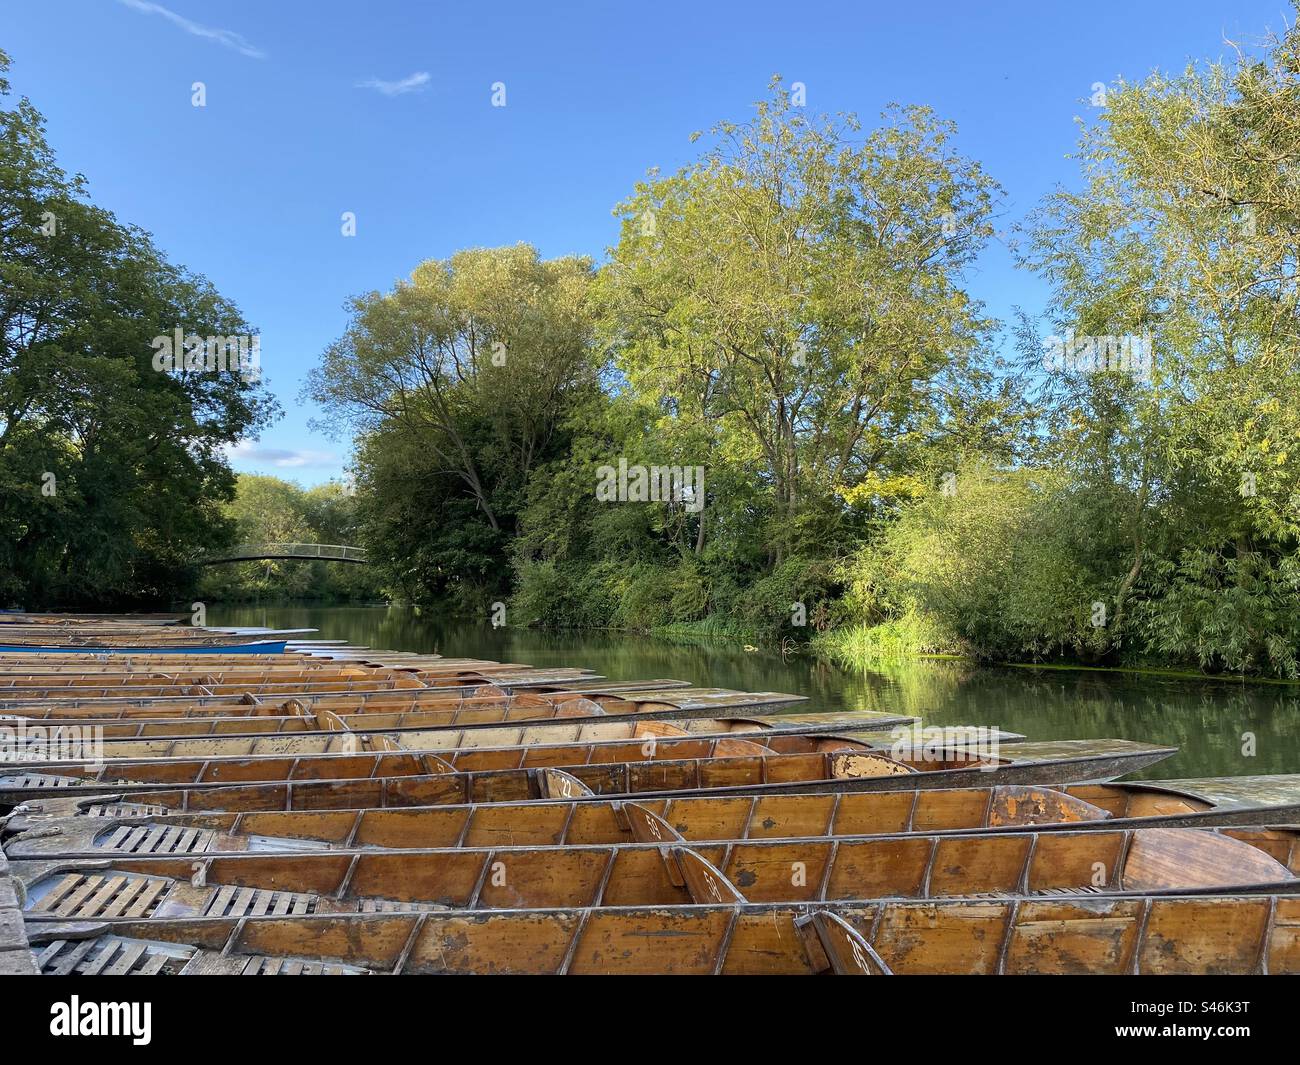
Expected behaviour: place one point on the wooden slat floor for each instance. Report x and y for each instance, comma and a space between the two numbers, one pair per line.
16, 959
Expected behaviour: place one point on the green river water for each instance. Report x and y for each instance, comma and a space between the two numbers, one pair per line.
1212, 722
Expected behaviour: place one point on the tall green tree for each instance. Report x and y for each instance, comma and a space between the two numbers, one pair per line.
111, 473
795, 298
458, 383
1184, 231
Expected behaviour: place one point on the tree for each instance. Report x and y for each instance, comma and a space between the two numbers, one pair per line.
458, 383
1184, 232
111, 473
795, 296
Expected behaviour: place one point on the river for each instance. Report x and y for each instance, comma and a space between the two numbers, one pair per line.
1222, 728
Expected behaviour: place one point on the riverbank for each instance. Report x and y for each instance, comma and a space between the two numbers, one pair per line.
865, 647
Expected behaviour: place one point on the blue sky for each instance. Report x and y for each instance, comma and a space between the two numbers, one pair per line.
304, 120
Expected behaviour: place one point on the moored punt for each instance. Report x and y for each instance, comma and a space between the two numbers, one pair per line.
118, 664
556, 744
25, 617
56, 698
248, 697
194, 701
90, 826
208, 645
91, 700
476, 708
330, 754
324, 733
33, 676
128, 660
270, 687
145, 633
123, 683
660, 873
1100, 935
406, 779
319, 718
198, 701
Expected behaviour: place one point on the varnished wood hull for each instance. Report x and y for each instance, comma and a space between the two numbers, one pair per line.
426, 731
62, 826
476, 704
298, 783
1157, 936
1111, 862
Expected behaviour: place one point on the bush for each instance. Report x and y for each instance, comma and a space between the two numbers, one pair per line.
1010, 565
1226, 612
912, 634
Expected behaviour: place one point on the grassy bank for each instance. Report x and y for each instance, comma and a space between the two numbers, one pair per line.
862, 647
857, 646
704, 630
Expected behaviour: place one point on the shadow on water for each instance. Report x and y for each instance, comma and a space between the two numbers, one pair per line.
1211, 722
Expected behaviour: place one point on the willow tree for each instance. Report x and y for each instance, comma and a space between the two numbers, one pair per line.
796, 292
1184, 230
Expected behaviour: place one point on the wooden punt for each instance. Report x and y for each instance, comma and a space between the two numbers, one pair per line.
1155, 861
248, 699
51, 692
76, 706
29, 675
407, 779
143, 634
52, 824
320, 719
125, 659
323, 733
251, 713
120, 683
26, 617
173, 646
330, 753
16, 698
1163, 935
549, 744
476, 708
37, 684
34, 671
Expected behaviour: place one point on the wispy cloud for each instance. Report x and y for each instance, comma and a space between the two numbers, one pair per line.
226, 37
279, 457
415, 83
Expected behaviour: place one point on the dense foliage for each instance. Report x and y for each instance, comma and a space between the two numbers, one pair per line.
775, 410
790, 313
112, 474
1156, 514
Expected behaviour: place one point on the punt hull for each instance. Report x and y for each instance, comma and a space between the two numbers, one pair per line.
251, 736
99, 826
670, 703
1050, 763
1180, 935
268, 647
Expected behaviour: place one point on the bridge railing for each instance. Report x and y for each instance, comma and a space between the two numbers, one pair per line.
249, 552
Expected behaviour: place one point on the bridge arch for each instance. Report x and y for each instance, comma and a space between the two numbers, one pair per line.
287, 552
